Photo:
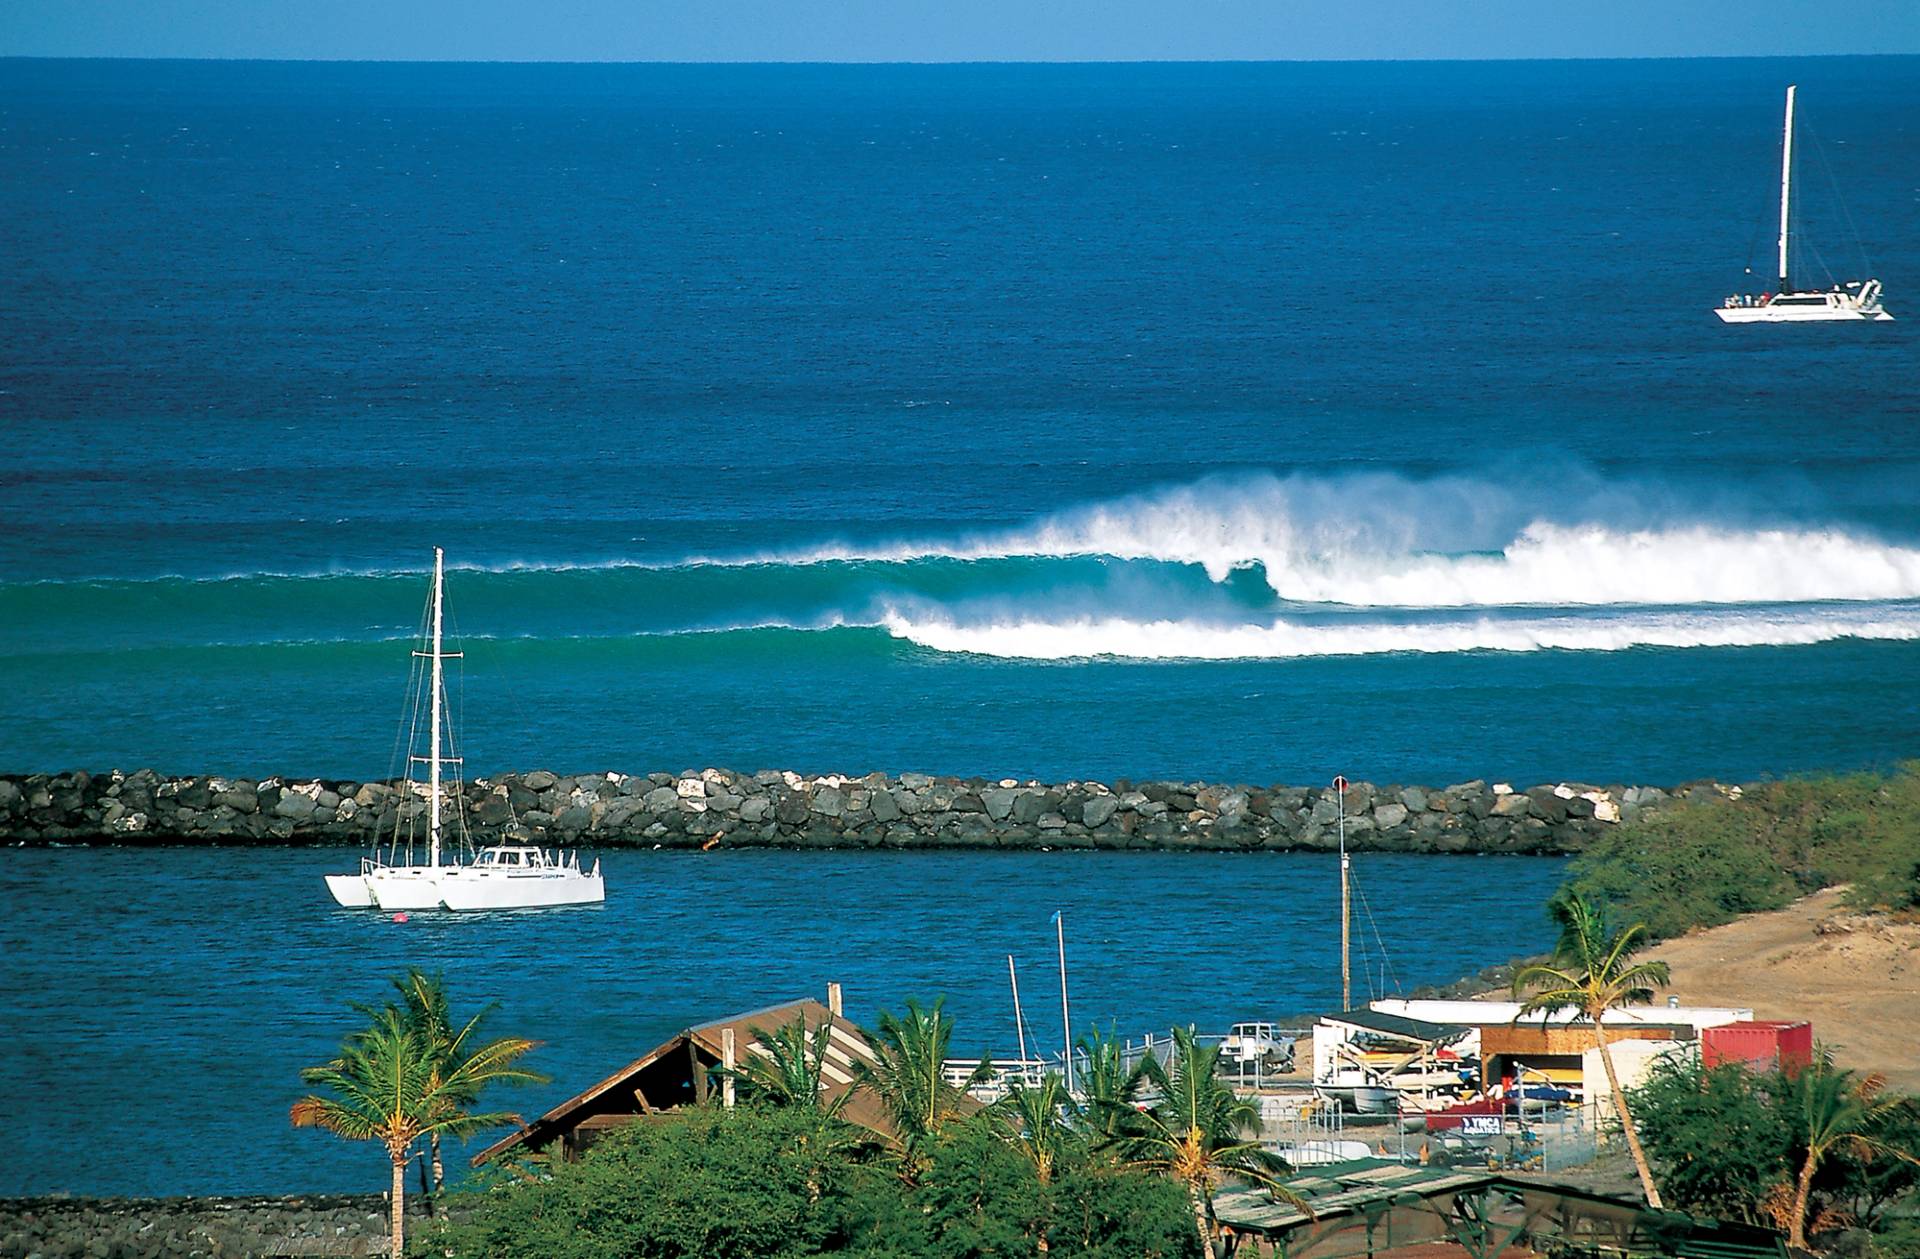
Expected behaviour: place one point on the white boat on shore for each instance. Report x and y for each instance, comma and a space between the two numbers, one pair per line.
1853, 300
502, 876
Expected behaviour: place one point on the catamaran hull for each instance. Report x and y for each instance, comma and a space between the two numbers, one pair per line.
1804, 314
467, 889
350, 891
415, 887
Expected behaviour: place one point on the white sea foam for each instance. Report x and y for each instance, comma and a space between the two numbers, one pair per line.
1389, 541
1555, 538
1037, 639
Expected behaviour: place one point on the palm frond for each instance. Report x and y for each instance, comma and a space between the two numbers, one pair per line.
396, 1079
906, 1072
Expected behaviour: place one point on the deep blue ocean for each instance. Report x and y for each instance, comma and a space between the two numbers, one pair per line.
1242, 421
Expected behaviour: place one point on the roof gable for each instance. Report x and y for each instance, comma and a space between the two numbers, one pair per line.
847, 1048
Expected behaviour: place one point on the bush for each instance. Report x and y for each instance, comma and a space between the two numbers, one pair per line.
1703, 863
1716, 1144
713, 1183
1725, 1141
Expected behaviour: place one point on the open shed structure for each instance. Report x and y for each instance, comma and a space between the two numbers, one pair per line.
682, 1072
1369, 1207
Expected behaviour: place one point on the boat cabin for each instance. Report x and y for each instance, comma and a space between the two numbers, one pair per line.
518, 858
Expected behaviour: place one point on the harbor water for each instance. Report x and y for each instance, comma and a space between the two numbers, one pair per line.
169, 997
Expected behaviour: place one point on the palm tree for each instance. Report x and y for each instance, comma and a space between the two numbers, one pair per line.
1590, 974
387, 1086
1834, 1110
787, 1066
1194, 1133
1109, 1089
906, 1072
424, 998
1036, 1121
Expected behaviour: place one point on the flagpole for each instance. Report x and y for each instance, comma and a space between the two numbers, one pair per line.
1019, 1024
1066, 1019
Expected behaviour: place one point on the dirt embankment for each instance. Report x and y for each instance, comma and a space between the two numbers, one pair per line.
1855, 977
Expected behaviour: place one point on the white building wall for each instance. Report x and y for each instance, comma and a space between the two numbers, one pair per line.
1484, 1013
1632, 1060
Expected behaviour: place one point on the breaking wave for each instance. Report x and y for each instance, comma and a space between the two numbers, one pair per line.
1282, 639
1388, 541
1228, 567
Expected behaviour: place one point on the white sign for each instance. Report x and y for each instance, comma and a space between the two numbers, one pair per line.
1480, 1125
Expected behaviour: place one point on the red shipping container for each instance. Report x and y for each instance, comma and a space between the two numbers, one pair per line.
1759, 1045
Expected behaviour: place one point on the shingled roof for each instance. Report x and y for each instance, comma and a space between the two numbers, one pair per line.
674, 1074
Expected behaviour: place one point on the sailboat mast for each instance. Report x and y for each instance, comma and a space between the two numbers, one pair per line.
433, 744
1346, 902
1019, 1022
1786, 186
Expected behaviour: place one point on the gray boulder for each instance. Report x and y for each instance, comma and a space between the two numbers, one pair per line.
295, 805
1512, 805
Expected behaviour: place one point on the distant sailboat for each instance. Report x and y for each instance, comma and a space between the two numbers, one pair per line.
1856, 299
504, 876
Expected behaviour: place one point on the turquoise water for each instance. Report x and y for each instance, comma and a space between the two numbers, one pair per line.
1253, 422
167, 999
1231, 421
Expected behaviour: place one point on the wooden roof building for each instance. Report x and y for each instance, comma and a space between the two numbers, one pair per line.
681, 1071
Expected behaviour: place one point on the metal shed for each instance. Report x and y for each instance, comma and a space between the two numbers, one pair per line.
1371, 1206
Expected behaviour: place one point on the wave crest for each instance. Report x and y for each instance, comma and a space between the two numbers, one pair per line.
1284, 639
1392, 542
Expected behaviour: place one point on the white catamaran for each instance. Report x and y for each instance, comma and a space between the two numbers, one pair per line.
1856, 299
503, 876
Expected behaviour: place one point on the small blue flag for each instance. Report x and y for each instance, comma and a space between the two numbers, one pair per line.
1056, 916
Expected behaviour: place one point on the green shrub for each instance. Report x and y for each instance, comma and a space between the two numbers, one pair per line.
711, 1183
1722, 1142
1702, 863
1716, 1144
1900, 1239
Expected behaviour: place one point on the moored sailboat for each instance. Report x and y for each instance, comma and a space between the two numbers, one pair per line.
501, 876
1856, 299
383, 882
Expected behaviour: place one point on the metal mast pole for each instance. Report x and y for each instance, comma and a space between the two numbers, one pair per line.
1066, 1020
1346, 903
1019, 1023
433, 743
1786, 186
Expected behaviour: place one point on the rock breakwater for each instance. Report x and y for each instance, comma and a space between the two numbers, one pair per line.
162, 1228
716, 807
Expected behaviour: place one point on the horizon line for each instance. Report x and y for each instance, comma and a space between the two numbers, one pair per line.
955, 61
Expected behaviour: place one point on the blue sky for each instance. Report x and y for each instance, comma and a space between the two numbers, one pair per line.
952, 30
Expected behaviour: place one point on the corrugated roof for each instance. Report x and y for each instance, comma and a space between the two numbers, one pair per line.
1365, 1187
1341, 1189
